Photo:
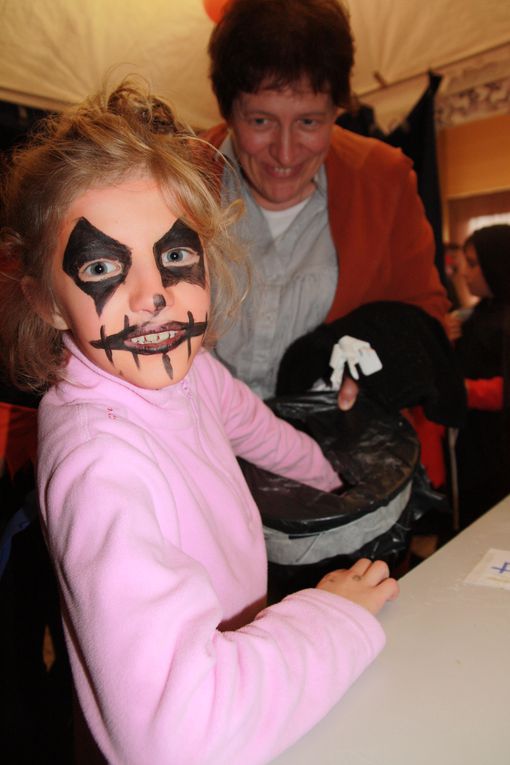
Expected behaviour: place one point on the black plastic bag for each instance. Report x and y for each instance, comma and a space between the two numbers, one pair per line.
377, 455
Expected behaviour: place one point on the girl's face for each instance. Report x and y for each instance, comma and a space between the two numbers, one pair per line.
474, 274
130, 282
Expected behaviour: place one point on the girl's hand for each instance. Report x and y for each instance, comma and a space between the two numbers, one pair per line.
367, 583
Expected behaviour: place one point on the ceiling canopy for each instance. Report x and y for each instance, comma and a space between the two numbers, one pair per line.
56, 52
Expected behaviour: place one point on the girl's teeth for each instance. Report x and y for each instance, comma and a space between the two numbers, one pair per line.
155, 337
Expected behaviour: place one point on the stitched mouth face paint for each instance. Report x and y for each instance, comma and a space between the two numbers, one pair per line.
151, 340
130, 282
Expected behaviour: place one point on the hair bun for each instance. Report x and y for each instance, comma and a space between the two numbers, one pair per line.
128, 102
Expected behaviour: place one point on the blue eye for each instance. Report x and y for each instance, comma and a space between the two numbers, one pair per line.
99, 269
179, 257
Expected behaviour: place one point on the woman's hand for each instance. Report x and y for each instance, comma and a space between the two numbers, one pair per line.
367, 583
347, 394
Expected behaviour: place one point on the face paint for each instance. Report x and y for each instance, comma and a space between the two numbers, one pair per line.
179, 256
159, 302
96, 262
146, 272
151, 340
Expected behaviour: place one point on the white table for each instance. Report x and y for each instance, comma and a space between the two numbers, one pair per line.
439, 694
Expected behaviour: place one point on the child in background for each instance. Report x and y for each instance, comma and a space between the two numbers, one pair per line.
463, 301
483, 351
119, 272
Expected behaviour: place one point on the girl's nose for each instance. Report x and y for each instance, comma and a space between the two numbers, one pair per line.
146, 291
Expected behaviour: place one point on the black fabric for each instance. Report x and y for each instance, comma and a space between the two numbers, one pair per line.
361, 121
16, 122
416, 136
483, 477
483, 444
479, 350
11, 395
35, 701
419, 366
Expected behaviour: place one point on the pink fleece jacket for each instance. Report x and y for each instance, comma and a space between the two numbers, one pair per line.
160, 556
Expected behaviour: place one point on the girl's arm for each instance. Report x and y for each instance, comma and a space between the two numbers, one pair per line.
264, 439
156, 678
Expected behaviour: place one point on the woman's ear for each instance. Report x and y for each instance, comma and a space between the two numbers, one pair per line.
49, 313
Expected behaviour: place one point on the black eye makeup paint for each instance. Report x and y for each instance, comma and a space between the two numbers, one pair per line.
88, 244
180, 236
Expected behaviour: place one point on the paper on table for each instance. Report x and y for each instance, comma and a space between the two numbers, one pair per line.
492, 571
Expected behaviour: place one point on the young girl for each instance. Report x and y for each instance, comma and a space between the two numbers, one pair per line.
483, 351
119, 271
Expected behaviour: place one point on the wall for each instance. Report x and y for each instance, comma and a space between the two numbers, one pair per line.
474, 167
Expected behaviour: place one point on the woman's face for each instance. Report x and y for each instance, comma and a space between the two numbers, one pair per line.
281, 138
130, 282
474, 274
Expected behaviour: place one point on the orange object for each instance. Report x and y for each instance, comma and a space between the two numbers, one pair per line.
485, 394
431, 437
18, 436
214, 9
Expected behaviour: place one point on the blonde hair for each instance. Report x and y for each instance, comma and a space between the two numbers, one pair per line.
101, 142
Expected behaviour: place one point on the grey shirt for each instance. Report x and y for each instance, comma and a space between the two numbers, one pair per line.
294, 282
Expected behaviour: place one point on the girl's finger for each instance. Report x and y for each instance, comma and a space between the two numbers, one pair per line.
360, 568
390, 589
377, 572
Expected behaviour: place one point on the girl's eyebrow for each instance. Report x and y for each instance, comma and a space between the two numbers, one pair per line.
180, 233
87, 242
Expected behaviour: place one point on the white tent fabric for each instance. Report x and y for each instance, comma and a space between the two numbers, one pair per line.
56, 52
